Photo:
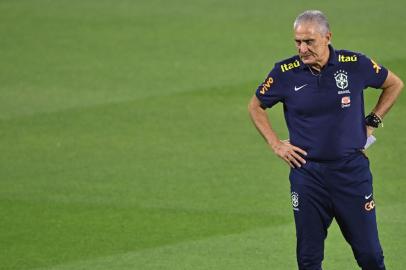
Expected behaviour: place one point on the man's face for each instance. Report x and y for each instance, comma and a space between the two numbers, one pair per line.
312, 46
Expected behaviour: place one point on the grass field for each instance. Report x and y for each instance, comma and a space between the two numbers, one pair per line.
126, 144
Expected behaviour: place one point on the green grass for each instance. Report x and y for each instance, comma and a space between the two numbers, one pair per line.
125, 140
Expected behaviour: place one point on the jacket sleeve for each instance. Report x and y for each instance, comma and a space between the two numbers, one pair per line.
270, 91
373, 74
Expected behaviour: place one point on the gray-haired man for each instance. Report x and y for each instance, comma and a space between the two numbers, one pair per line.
322, 94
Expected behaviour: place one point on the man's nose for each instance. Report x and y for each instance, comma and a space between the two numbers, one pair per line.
303, 47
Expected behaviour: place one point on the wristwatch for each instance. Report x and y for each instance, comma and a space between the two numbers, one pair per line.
373, 120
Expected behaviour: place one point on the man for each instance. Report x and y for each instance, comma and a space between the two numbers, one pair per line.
322, 94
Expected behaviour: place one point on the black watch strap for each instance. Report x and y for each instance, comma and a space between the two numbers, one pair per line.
373, 120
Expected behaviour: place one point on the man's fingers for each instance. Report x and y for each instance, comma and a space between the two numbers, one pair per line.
370, 130
291, 154
289, 163
300, 150
299, 158
292, 161
296, 163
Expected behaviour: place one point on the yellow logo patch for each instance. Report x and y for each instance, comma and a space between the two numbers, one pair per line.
375, 66
286, 67
347, 58
266, 85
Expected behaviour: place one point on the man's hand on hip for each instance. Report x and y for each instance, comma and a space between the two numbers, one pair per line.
370, 130
289, 153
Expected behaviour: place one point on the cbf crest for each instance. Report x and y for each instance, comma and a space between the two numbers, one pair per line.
295, 201
341, 77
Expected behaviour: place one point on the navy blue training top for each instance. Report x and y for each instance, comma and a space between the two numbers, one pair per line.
324, 111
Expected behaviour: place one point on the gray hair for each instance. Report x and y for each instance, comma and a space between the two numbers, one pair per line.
313, 16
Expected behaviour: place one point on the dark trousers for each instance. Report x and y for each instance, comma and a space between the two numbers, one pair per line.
342, 190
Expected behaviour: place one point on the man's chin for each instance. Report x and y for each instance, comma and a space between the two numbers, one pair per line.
307, 60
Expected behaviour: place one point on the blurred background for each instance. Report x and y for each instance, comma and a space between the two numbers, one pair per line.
126, 144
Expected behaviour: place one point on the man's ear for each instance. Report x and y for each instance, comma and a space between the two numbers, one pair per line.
328, 36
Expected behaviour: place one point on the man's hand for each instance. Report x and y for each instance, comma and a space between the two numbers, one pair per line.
283, 149
289, 153
370, 130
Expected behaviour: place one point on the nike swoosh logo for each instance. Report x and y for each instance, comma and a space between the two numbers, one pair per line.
367, 197
300, 87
